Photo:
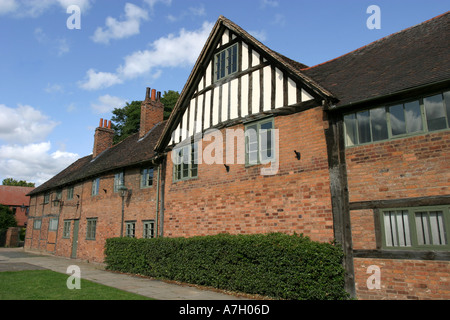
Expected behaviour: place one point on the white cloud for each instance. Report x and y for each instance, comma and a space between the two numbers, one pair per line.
59, 46
99, 80
171, 51
83, 4
121, 29
54, 88
24, 124
152, 3
35, 8
25, 156
7, 6
108, 103
191, 11
269, 3
33, 162
259, 35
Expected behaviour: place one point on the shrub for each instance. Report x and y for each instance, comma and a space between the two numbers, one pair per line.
275, 265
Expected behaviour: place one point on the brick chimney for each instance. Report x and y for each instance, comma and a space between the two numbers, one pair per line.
152, 111
103, 138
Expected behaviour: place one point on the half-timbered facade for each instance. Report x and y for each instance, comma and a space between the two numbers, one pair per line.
353, 151
231, 123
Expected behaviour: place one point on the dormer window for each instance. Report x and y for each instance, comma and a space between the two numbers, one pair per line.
226, 62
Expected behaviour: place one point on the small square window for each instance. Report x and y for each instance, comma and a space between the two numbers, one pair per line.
37, 224
435, 111
226, 62
118, 181
47, 197
186, 162
130, 229
70, 193
147, 177
53, 224
91, 228
95, 186
66, 230
149, 229
259, 142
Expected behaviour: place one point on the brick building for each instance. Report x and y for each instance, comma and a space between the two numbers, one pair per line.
354, 150
17, 200
74, 213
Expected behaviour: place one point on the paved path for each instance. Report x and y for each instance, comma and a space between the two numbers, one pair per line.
16, 259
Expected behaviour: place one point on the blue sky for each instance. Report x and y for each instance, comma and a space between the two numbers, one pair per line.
56, 83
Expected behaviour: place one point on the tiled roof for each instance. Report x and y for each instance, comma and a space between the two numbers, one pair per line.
14, 196
129, 152
408, 59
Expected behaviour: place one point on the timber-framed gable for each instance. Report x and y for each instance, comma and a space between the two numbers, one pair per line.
264, 83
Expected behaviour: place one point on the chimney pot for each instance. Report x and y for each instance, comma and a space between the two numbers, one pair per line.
103, 138
152, 112
147, 94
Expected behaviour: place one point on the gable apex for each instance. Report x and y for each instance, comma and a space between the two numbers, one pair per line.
253, 79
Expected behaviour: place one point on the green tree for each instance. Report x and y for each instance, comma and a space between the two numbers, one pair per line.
7, 218
15, 183
126, 120
169, 99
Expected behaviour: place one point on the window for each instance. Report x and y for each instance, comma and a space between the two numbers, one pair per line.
66, 230
146, 178
436, 112
58, 197
91, 228
226, 62
186, 162
149, 229
37, 224
53, 224
130, 227
118, 181
70, 193
416, 228
95, 186
422, 115
259, 142
47, 197
405, 118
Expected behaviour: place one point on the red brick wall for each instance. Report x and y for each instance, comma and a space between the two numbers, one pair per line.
106, 207
404, 279
296, 199
417, 166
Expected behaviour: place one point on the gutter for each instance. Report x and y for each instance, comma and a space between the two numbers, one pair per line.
438, 84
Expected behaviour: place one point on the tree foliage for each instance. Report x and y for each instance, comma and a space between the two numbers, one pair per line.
126, 120
7, 218
16, 183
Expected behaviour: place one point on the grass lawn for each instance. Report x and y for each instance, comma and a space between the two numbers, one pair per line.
50, 285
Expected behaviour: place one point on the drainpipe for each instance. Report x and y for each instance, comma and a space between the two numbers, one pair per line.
157, 201
163, 182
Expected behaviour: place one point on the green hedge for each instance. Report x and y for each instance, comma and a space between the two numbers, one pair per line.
275, 265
